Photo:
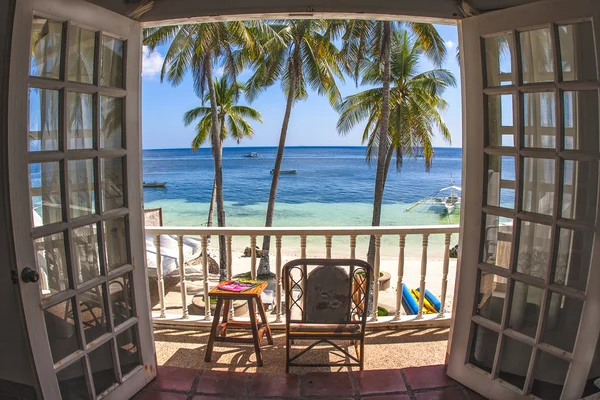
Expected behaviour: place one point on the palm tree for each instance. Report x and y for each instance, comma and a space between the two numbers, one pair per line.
231, 117
370, 42
198, 48
300, 55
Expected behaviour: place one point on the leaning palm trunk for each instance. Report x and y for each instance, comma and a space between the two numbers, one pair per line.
211, 209
264, 267
382, 148
216, 150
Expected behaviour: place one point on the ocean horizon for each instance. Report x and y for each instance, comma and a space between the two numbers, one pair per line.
333, 186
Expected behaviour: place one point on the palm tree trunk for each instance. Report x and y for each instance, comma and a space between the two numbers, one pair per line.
211, 209
263, 266
383, 134
216, 150
388, 162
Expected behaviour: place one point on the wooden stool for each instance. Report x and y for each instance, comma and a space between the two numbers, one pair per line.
224, 299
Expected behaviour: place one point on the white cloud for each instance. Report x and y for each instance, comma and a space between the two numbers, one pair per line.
450, 44
152, 62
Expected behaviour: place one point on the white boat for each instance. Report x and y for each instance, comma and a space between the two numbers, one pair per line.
286, 171
448, 197
251, 155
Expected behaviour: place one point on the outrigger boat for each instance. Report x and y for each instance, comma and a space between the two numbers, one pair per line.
251, 155
154, 184
448, 197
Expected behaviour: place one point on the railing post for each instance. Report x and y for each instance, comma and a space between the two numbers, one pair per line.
328, 246
376, 278
205, 277
161, 279
401, 244
423, 275
303, 246
278, 279
253, 257
182, 279
445, 273
229, 264
352, 246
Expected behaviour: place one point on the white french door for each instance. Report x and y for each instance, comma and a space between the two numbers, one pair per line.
75, 158
526, 314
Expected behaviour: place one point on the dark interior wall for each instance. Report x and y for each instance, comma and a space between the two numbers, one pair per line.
17, 377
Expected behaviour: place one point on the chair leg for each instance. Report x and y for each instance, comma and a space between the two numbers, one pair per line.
362, 354
226, 307
213, 330
287, 353
263, 317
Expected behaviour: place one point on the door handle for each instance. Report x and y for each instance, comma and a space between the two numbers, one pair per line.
29, 275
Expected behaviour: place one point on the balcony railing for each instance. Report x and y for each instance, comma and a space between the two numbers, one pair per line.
445, 232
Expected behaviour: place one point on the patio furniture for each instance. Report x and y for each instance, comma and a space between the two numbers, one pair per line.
327, 303
218, 331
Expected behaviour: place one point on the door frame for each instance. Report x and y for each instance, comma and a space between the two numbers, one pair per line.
470, 32
102, 20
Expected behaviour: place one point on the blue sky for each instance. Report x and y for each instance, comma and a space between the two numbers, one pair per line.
312, 122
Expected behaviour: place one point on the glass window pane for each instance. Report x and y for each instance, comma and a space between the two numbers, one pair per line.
111, 122
573, 258
103, 370
539, 185
112, 183
562, 321
127, 348
537, 56
115, 234
501, 126
46, 46
93, 315
497, 240
62, 333
525, 308
44, 120
492, 291
581, 120
501, 181
535, 249
71, 381
540, 120
121, 299
483, 348
85, 249
51, 264
81, 188
550, 376
81, 121
498, 60
111, 68
580, 179
81, 54
577, 52
45, 190
514, 361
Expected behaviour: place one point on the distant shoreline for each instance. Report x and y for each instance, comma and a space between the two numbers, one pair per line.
274, 147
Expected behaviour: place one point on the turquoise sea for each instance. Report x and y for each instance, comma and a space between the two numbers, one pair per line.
333, 186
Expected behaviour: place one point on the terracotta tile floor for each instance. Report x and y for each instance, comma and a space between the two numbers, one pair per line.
414, 383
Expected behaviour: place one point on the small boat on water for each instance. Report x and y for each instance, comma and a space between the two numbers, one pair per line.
448, 197
154, 184
250, 155
286, 172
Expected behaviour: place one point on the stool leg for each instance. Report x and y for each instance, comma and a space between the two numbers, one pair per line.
254, 327
226, 307
263, 317
213, 330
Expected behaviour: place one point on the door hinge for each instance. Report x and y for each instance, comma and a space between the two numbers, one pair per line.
14, 276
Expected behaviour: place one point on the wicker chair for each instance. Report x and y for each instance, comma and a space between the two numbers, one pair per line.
326, 303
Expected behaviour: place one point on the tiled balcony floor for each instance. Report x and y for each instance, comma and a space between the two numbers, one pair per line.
414, 383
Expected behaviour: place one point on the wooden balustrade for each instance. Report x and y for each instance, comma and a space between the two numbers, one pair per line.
303, 233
